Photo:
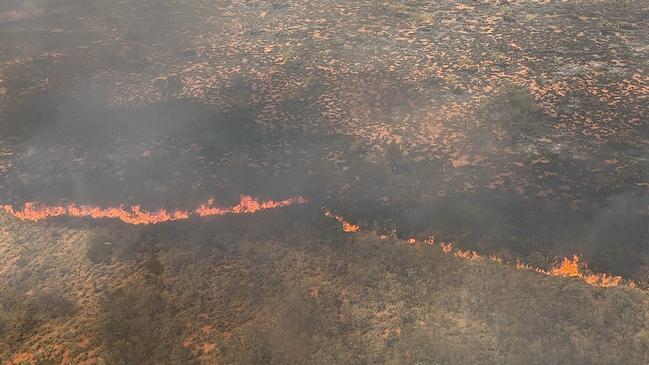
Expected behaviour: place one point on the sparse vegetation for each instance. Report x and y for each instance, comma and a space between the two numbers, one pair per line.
624, 139
425, 17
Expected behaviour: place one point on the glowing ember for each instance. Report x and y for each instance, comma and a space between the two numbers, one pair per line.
347, 227
136, 215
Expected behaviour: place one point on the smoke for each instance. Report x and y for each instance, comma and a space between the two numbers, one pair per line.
131, 102
617, 235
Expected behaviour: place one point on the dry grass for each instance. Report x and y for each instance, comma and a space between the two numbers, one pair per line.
308, 295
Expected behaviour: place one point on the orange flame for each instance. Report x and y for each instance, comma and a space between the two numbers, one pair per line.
136, 215
571, 268
496, 259
468, 255
247, 204
447, 247
604, 280
567, 268
347, 227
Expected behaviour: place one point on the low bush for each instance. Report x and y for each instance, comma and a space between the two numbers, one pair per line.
515, 110
137, 328
99, 249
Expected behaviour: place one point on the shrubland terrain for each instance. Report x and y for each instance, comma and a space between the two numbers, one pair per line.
275, 289
514, 128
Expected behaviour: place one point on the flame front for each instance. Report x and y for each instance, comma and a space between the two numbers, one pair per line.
571, 268
347, 227
136, 215
247, 204
568, 267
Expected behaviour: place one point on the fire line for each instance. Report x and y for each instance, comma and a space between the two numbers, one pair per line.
137, 216
347, 227
567, 268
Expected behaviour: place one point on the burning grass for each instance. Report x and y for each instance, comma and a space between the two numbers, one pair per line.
572, 268
209, 291
347, 227
137, 216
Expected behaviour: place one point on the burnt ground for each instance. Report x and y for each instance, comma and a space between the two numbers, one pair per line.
517, 128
